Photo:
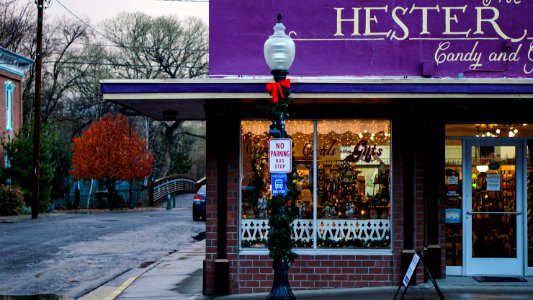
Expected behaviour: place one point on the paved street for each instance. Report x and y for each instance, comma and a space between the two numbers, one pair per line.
73, 253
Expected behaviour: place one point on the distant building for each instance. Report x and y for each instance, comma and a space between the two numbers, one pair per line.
12, 68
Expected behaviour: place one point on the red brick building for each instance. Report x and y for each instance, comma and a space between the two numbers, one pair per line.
402, 142
12, 68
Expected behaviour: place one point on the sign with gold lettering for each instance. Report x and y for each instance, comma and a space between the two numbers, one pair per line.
445, 38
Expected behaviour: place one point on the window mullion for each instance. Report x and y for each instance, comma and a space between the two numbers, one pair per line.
315, 184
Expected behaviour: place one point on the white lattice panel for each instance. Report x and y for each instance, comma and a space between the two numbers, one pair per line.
254, 230
366, 230
332, 229
302, 230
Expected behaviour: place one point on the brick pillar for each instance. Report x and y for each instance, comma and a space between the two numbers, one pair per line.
403, 141
223, 134
216, 157
408, 142
434, 139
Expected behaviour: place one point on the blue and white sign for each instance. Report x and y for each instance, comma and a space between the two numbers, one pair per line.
278, 182
453, 215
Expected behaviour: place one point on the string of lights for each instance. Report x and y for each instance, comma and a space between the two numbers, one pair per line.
372, 128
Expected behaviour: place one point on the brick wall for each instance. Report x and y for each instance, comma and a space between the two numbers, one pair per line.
254, 274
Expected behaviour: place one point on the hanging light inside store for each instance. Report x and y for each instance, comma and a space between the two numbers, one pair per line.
496, 130
482, 168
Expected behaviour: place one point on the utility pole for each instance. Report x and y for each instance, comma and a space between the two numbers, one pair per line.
37, 116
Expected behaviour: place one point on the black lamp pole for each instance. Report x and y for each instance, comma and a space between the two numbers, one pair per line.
281, 289
279, 53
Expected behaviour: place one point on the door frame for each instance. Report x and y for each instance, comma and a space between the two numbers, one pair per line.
491, 266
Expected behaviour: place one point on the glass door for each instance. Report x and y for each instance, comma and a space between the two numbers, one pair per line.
494, 207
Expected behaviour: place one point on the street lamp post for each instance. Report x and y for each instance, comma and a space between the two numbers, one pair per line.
279, 51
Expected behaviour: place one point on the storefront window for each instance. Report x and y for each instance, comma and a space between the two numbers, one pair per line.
454, 202
346, 204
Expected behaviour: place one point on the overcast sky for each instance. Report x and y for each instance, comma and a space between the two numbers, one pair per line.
99, 10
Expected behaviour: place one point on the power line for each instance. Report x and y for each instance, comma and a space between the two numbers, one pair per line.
111, 64
83, 21
131, 47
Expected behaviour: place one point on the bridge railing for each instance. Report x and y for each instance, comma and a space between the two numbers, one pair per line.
174, 184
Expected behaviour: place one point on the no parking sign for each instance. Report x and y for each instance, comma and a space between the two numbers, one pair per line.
280, 155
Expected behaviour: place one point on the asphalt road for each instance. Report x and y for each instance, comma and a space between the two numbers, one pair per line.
73, 253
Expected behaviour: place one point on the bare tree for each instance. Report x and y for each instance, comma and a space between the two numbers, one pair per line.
158, 47
83, 102
66, 65
62, 65
17, 25
162, 47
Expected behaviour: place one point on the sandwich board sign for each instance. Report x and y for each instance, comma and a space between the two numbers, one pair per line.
417, 257
411, 269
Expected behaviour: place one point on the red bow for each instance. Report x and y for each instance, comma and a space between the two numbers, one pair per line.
275, 90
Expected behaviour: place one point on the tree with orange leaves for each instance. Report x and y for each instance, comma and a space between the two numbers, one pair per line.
110, 150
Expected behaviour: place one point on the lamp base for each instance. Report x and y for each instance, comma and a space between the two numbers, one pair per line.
281, 289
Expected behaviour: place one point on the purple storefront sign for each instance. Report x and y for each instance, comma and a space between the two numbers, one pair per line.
484, 38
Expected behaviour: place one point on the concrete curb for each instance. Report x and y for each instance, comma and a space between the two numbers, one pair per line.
140, 280
114, 287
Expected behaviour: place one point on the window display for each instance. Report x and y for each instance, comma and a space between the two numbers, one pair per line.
454, 202
345, 204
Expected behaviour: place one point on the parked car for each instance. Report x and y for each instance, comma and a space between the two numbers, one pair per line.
198, 204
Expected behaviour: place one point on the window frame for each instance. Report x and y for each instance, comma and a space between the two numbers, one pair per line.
9, 88
315, 249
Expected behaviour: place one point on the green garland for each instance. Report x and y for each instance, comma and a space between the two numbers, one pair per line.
329, 243
279, 110
279, 241
355, 243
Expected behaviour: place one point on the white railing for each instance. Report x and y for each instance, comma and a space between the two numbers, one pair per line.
331, 229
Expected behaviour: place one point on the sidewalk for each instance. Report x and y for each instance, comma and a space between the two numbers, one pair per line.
179, 276
452, 288
176, 276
